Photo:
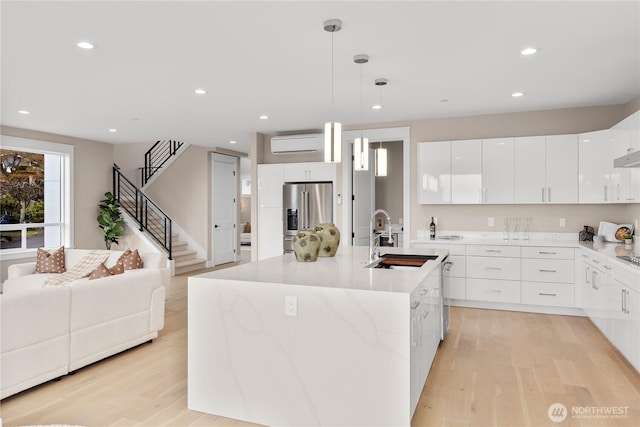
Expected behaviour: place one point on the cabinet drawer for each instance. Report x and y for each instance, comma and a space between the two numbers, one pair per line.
494, 251
548, 270
457, 266
547, 252
480, 267
549, 294
493, 290
453, 249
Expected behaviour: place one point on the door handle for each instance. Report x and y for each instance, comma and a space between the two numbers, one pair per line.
216, 226
543, 195
548, 271
549, 194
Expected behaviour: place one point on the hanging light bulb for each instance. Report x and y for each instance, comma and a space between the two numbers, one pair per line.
332, 129
361, 144
381, 153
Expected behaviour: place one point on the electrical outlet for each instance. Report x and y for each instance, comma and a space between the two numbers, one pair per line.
563, 222
491, 222
290, 306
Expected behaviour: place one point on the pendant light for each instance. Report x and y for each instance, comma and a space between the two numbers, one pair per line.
332, 129
361, 144
381, 153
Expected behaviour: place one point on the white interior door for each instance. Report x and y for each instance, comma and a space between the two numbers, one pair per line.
224, 188
364, 195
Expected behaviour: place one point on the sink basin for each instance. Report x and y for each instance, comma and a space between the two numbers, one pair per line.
401, 261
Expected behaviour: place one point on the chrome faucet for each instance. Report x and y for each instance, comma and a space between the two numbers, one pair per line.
372, 237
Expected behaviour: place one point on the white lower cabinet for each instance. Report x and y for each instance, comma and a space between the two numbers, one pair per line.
626, 314
506, 291
493, 268
548, 294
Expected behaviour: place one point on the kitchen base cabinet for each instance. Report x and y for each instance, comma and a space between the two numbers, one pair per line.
548, 294
506, 291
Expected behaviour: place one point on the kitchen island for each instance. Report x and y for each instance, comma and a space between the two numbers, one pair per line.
331, 342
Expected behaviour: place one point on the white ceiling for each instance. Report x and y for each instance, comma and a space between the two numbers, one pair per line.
274, 58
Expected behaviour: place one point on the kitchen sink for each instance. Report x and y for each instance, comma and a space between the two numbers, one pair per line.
401, 261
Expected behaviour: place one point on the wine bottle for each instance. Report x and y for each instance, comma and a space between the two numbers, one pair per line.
432, 230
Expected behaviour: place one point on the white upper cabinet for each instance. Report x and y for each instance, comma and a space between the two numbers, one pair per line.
598, 180
497, 171
466, 171
546, 169
305, 172
270, 180
434, 172
530, 163
562, 168
626, 137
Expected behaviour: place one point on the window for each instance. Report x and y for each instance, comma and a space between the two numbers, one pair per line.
35, 195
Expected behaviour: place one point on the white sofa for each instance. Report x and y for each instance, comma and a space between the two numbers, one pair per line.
49, 331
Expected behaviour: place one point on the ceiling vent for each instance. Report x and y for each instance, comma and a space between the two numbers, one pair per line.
296, 144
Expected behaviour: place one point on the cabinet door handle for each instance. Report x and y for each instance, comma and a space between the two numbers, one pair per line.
493, 250
480, 195
484, 195
618, 191
549, 194
415, 305
547, 295
622, 301
605, 193
493, 268
548, 271
495, 291
546, 253
543, 195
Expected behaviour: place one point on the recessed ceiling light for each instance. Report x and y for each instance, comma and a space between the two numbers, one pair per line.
200, 91
529, 51
517, 94
264, 117
113, 130
23, 112
232, 142
376, 107
85, 45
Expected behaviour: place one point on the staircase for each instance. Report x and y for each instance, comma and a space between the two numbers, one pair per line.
185, 259
152, 220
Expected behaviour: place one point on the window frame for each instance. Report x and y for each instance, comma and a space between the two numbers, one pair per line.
66, 187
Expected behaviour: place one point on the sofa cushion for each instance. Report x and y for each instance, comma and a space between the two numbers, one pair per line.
104, 271
82, 268
131, 260
50, 262
25, 283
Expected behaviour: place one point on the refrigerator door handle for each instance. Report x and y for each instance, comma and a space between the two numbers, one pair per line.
306, 209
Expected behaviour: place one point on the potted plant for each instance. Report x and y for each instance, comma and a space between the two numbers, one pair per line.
110, 219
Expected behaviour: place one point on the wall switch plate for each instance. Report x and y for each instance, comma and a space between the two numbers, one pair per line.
492, 221
290, 306
563, 222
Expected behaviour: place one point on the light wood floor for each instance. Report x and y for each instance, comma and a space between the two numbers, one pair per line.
495, 368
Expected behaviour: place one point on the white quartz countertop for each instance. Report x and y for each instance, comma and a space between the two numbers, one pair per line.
344, 271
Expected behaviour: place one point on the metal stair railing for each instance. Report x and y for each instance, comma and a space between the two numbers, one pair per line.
157, 156
147, 214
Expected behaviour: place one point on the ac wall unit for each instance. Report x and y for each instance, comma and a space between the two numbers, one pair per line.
294, 144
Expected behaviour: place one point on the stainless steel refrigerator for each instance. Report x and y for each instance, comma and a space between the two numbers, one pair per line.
304, 205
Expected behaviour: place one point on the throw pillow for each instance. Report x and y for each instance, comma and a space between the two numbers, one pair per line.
130, 260
50, 262
103, 271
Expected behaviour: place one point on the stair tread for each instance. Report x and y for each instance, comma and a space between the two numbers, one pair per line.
184, 253
187, 262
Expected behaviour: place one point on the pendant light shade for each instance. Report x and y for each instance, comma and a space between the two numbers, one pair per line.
361, 145
361, 154
381, 161
381, 153
332, 142
332, 129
